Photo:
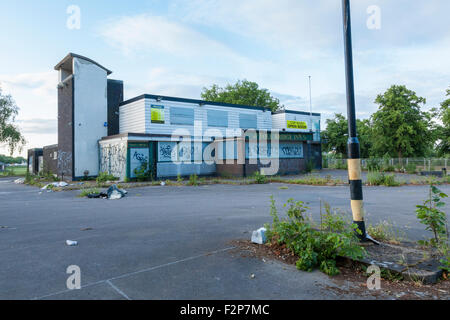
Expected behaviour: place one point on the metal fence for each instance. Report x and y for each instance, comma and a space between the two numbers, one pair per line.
394, 164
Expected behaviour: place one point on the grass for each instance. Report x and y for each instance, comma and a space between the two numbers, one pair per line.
87, 191
310, 180
377, 178
386, 232
14, 172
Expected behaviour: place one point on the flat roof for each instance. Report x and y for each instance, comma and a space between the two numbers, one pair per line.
296, 112
194, 101
66, 63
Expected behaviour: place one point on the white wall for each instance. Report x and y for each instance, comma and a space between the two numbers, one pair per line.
131, 117
90, 114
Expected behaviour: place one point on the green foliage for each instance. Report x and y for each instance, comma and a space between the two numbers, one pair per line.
179, 178
372, 164
431, 215
336, 135
143, 173
411, 168
443, 132
9, 132
193, 180
377, 178
242, 92
400, 127
104, 177
14, 172
385, 232
259, 178
12, 160
314, 248
88, 191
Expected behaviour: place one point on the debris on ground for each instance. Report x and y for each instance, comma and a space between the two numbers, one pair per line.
252, 276
101, 195
50, 186
163, 183
71, 243
114, 193
87, 229
19, 181
259, 236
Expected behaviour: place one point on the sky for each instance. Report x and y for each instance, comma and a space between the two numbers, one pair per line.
178, 47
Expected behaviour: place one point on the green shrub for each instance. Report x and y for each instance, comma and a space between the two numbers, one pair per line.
411, 168
259, 178
314, 248
372, 164
431, 215
193, 180
104, 177
377, 178
143, 173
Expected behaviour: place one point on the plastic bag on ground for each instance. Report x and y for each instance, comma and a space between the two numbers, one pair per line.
259, 236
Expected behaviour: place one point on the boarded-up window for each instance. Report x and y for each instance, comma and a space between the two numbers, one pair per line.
217, 118
248, 121
182, 116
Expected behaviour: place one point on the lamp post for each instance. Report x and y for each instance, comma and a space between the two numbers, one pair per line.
354, 160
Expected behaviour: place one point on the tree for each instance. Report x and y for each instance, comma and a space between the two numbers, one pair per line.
443, 146
9, 133
242, 92
336, 135
400, 128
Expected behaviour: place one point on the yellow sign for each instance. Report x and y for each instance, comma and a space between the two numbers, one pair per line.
297, 125
157, 114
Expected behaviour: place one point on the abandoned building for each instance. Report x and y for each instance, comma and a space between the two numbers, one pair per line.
166, 136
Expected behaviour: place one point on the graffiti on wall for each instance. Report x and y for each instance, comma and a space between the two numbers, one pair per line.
113, 159
139, 157
64, 163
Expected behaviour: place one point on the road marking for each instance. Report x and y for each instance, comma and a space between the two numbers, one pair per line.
118, 290
108, 281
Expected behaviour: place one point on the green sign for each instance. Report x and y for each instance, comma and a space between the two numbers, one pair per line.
157, 114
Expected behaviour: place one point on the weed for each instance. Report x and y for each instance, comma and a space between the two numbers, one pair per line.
314, 248
104, 177
88, 191
259, 178
193, 180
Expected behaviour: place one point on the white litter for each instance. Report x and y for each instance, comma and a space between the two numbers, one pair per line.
61, 184
259, 236
163, 184
19, 181
71, 243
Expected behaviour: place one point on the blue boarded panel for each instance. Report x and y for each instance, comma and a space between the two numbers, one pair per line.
217, 118
182, 116
286, 151
248, 121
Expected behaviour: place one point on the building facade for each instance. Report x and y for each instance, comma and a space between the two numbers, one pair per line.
168, 137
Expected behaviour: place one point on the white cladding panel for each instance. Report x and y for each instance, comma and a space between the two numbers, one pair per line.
90, 115
132, 117
133, 121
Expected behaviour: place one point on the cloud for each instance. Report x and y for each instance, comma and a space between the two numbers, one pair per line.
38, 126
146, 32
